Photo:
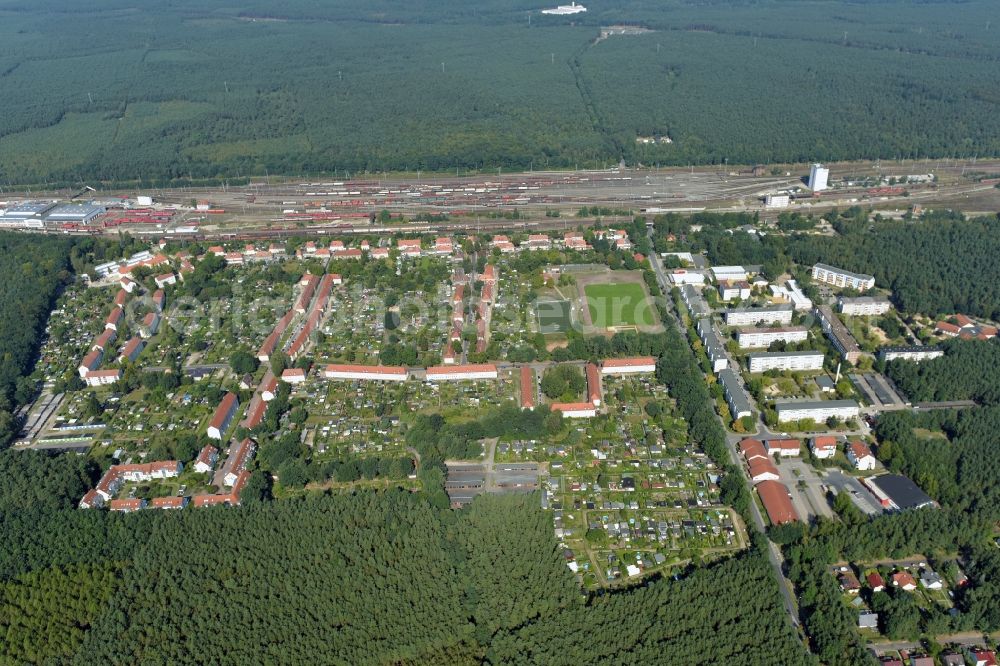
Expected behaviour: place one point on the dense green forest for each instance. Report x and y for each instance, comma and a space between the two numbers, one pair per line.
111, 91
364, 578
32, 271
969, 370
939, 265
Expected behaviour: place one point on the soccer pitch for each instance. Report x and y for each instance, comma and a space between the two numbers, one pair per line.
618, 304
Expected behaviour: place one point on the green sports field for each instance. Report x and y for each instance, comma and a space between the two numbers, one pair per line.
619, 304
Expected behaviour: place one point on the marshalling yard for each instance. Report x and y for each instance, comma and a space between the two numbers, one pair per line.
276, 207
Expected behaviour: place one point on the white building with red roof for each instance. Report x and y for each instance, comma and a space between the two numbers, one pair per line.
293, 375
150, 324
114, 319
207, 457
102, 377
237, 461
223, 416
824, 446
408, 248
443, 246
90, 362
376, 373
92, 500
783, 447
167, 503
503, 244
165, 280
628, 366
860, 455
451, 373
575, 410
127, 505
132, 349
104, 340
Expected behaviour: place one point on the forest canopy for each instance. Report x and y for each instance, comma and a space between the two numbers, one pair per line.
190, 90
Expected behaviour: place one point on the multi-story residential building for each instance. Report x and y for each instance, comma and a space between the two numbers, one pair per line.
749, 338
778, 314
714, 347
736, 397
910, 353
863, 305
838, 334
839, 277
817, 411
794, 361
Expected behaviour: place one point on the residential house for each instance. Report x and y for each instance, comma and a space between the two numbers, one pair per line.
860, 456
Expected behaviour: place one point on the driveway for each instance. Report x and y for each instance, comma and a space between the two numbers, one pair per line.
861, 496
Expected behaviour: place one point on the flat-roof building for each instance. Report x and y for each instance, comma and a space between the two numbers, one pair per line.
777, 314
863, 305
901, 492
694, 301
750, 338
816, 410
736, 397
793, 361
77, 213
839, 277
910, 353
839, 335
729, 273
714, 347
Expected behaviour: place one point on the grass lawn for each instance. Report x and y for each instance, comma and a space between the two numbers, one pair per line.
553, 316
618, 304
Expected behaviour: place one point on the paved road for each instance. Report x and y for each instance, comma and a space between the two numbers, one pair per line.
773, 553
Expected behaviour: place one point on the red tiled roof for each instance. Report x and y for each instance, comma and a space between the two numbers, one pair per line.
825, 441
860, 449
628, 362
759, 466
784, 444
752, 448
571, 406
210, 500
368, 369
126, 504
206, 454
460, 369
91, 360
593, 383
945, 327
168, 503
774, 497
256, 415
527, 388
222, 412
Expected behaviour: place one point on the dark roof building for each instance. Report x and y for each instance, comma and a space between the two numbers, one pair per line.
902, 493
